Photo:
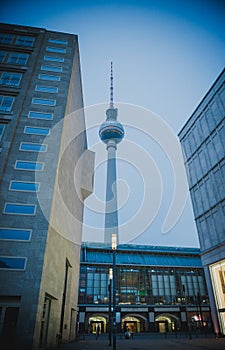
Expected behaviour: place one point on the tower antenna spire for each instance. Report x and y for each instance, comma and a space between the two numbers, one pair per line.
111, 87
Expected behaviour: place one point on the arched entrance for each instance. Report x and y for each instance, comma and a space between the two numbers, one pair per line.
94, 322
167, 323
134, 323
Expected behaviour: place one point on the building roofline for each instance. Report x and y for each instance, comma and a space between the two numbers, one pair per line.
146, 248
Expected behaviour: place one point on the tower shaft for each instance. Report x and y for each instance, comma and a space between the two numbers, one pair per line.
111, 214
111, 132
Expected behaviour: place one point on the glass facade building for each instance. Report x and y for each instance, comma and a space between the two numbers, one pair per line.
203, 143
155, 286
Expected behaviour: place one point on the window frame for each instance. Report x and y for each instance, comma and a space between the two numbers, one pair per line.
29, 162
46, 68
29, 231
49, 77
33, 143
54, 49
14, 257
41, 115
18, 56
44, 89
25, 182
11, 78
54, 59
2, 132
51, 102
20, 205
20, 42
38, 128
3, 56
58, 41
2, 103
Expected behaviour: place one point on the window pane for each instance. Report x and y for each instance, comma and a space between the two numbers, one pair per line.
32, 166
18, 58
50, 89
58, 41
34, 147
55, 49
49, 77
36, 131
10, 79
43, 101
6, 38
24, 186
12, 263
15, 234
2, 128
39, 115
6, 103
53, 59
19, 209
2, 56
25, 41
52, 69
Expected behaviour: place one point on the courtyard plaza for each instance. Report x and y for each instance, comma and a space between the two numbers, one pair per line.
181, 341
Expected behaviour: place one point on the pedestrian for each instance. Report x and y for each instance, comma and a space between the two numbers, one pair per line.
97, 331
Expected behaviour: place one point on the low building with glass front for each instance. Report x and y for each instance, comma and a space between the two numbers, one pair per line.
157, 289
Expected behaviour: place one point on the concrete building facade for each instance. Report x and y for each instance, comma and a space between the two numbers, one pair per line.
203, 142
46, 172
157, 288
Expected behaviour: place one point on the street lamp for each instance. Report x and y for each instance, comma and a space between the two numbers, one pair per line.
200, 308
186, 309
110, 305
114, 246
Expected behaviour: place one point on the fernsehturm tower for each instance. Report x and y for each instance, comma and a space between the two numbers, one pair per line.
111, 132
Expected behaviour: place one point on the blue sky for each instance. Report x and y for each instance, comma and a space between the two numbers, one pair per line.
166, 55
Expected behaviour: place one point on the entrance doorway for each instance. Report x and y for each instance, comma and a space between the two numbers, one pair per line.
97, 321
166, 323
132, 324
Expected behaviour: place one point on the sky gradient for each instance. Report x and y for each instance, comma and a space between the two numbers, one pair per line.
166, 55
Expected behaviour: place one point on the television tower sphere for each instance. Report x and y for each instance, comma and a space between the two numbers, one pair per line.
111, 129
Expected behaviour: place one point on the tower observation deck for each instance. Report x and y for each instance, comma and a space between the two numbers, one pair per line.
111, 132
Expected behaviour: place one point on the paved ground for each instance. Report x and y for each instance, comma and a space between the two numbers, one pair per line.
148, 342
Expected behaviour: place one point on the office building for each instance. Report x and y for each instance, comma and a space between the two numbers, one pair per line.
203, 142
46, 173
155, 287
